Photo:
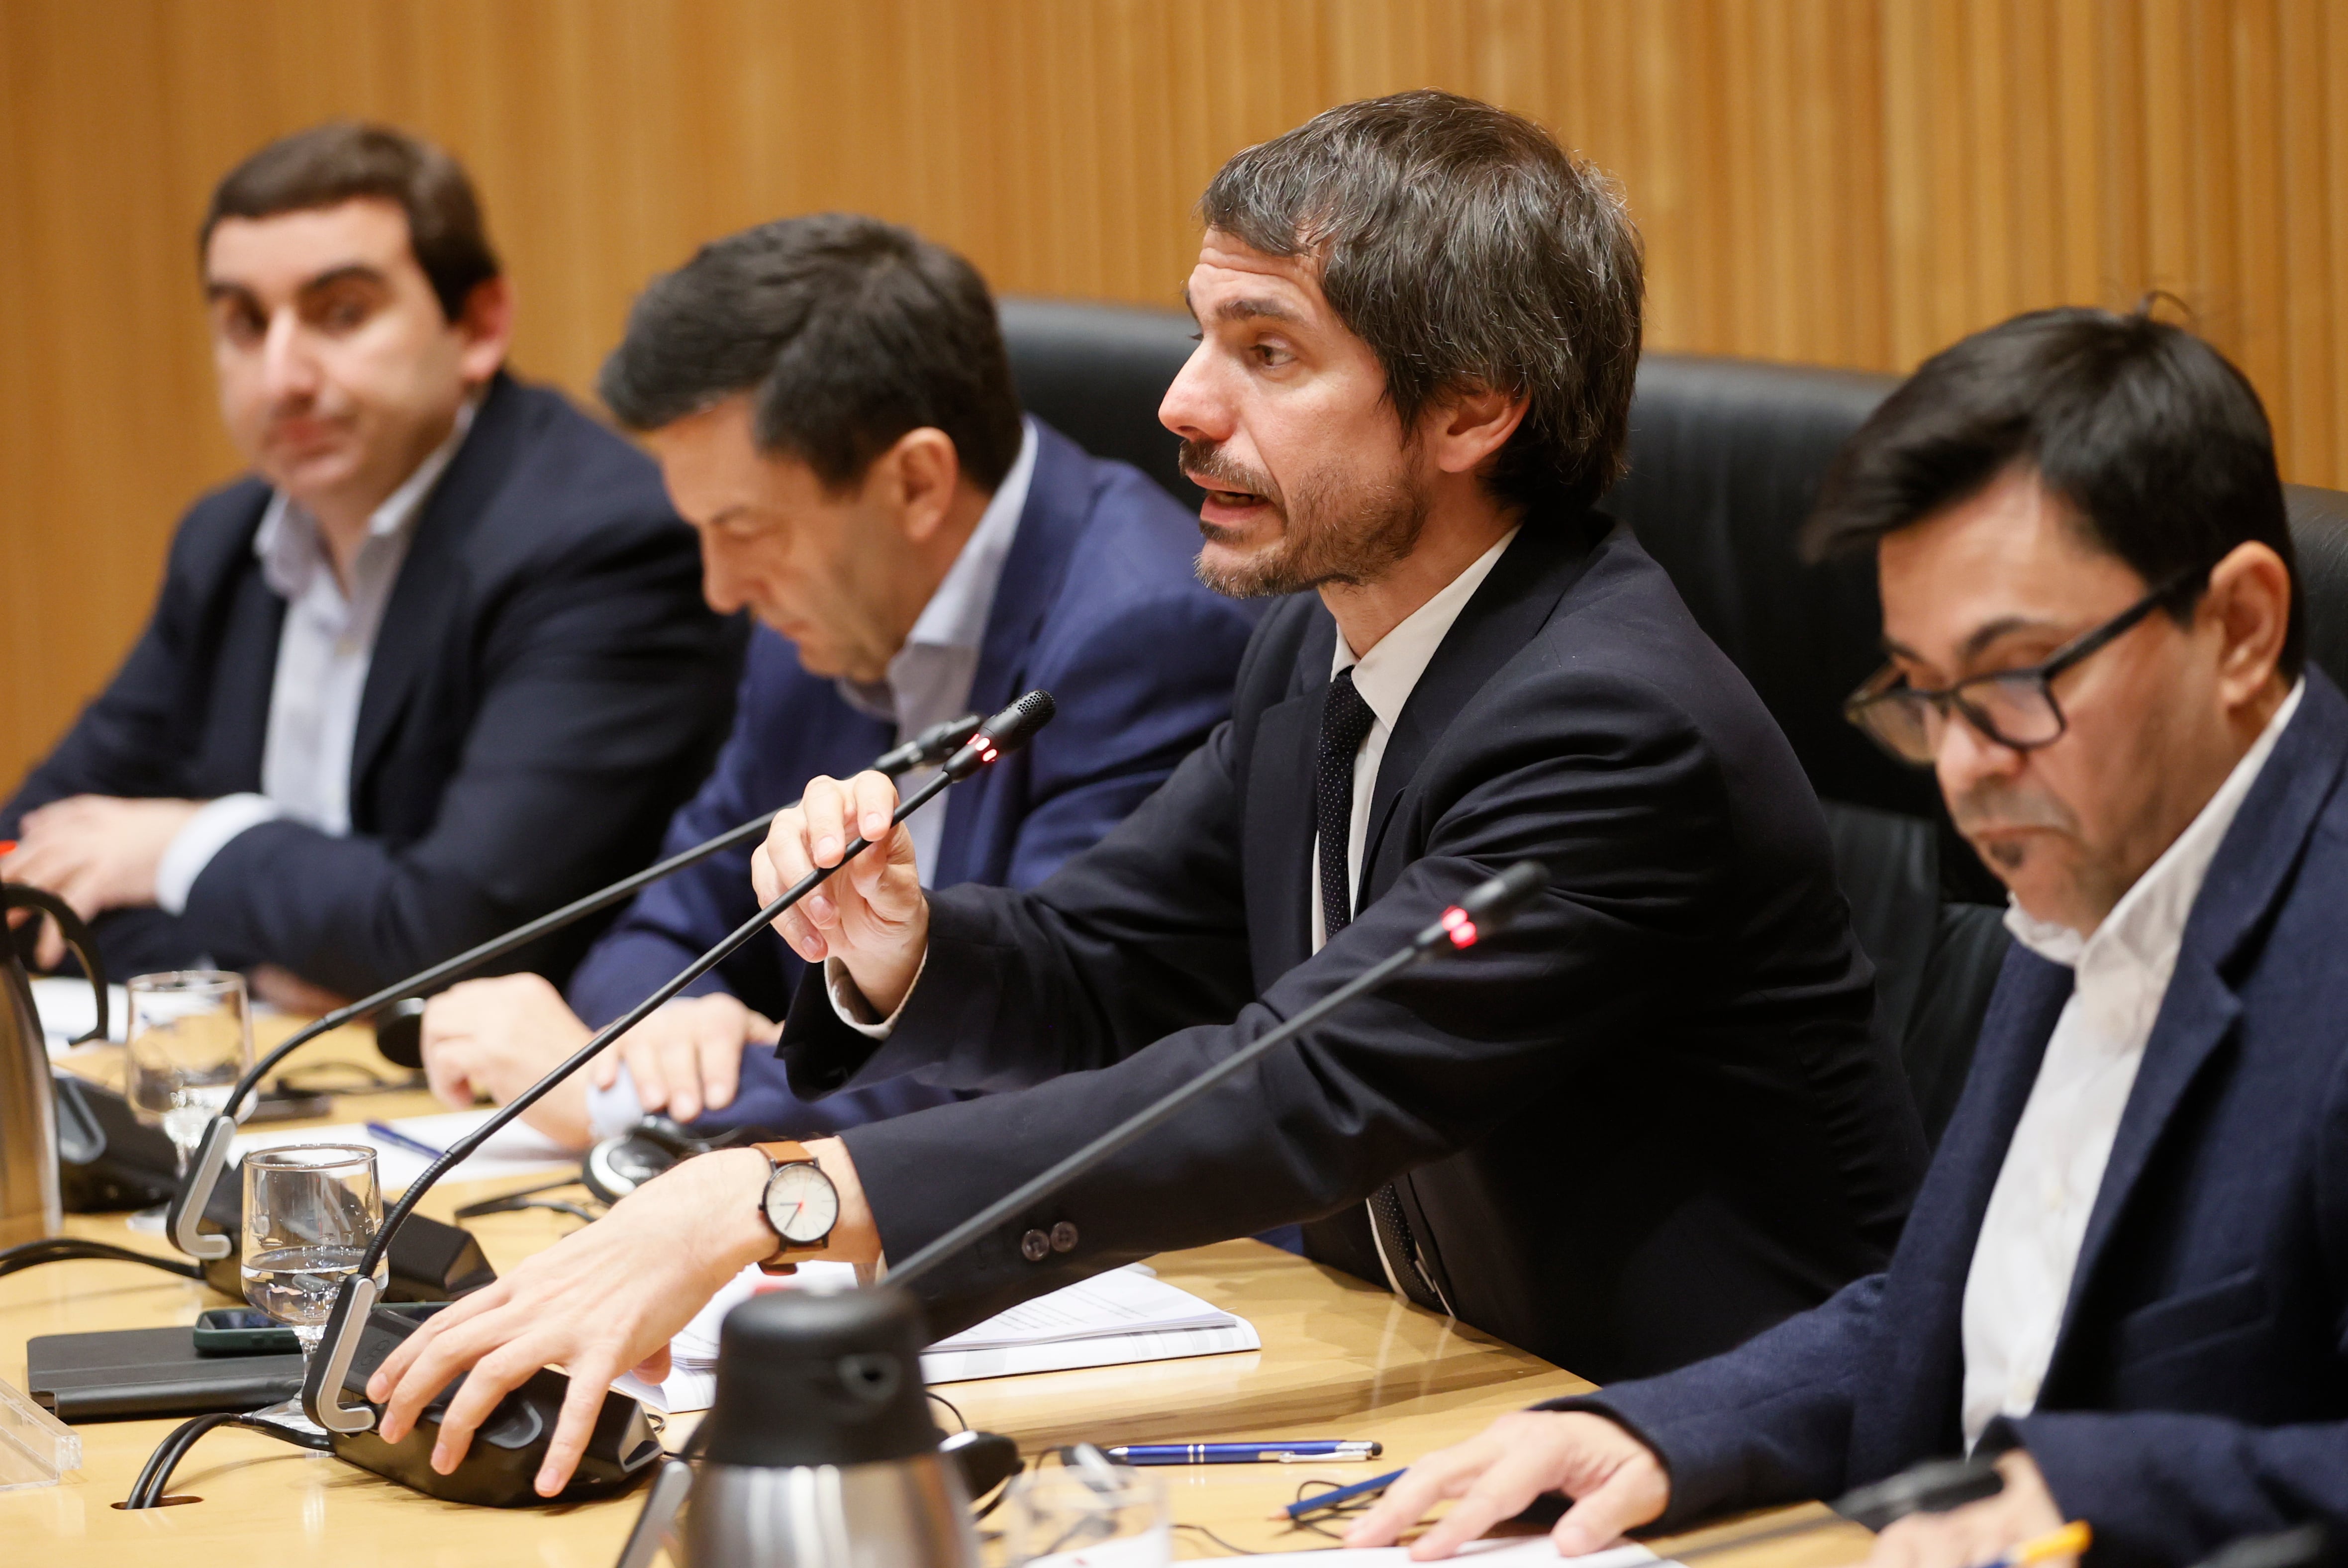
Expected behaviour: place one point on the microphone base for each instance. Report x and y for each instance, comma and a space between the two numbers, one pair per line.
503, 1461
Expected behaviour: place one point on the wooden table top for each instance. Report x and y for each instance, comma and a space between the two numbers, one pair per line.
1340, 1359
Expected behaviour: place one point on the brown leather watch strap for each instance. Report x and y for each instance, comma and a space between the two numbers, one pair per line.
780, 1152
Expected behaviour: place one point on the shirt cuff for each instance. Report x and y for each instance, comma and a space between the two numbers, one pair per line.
853, 1010
613, 1111
207, 833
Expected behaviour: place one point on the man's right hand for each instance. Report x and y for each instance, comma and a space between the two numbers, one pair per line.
497, 1036
1616, 1482
872, 917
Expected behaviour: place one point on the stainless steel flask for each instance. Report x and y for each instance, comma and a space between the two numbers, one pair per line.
820, 1452
30, 1205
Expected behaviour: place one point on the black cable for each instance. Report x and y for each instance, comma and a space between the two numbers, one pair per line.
64, 1249
961, 1422
148, 1491
497, 1205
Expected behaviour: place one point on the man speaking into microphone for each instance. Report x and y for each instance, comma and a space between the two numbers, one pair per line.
1643, 1122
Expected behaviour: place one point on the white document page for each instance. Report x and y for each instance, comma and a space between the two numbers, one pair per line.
1115, 1319
517, 1150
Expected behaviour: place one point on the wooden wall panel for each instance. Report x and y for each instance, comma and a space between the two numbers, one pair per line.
1854, 182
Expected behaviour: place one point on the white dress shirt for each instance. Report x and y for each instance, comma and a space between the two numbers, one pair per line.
928, 682
2020, 1280
1386, 676
929, 678
324, 650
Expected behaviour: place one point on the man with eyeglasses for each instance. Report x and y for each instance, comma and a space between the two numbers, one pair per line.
2126, 1275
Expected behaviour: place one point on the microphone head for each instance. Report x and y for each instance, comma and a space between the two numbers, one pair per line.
399, 1033
1009, 730
1487, 906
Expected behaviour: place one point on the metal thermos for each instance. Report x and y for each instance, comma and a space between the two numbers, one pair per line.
820, 1452
30, 1207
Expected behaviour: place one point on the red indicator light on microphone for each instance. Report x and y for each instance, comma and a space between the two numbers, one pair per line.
988, 755
1460, 925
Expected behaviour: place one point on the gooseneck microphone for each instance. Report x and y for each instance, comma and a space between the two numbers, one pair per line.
1485, 908
511, 1444
931, 747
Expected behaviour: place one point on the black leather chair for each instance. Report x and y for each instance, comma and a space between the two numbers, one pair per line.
1726, 460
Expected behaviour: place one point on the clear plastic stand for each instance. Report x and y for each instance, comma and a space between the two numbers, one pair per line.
36, 1448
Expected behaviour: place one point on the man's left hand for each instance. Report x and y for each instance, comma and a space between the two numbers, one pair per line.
96, 853
1980, 1532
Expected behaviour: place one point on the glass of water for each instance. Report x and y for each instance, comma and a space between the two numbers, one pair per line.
310, 1211
190, 1038
1102, 1516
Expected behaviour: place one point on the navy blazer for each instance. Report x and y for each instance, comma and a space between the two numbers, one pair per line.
2199, 1388
1097, 604
546, 687
1641, 1123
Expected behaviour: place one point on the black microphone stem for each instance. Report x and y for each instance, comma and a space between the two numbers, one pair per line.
1142, 1120
900, 760
506, 1113
931, 747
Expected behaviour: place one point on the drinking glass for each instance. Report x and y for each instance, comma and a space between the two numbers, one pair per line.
190, 1038
310, 1211
1108, 1516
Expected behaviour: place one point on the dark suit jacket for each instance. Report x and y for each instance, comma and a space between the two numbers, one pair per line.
2199, 1388
1638, 1124
546, 687
1098, 605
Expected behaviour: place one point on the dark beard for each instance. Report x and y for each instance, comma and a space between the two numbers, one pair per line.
1332, 532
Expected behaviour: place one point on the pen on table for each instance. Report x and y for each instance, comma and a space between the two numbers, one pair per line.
385, 1133
1270, 1451
2068, 1541
1321, 1501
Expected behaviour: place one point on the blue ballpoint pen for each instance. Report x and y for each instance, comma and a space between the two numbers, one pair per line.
386, 1132
1272, 1450
1321, 1501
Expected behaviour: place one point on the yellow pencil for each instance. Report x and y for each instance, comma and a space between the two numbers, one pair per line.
2068, 1541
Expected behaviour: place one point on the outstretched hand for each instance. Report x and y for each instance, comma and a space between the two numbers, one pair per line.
1616, 1482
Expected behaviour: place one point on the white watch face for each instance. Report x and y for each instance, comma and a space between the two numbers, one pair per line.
802, 1203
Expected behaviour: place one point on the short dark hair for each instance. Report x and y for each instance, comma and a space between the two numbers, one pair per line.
344, 161
2158, 444
1466, 249
847, 332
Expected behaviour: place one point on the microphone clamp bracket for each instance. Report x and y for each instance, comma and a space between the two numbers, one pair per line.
195, 1195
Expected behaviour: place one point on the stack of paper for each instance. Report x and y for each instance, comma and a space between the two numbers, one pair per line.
69, 1007
515, 1151
1114, 1319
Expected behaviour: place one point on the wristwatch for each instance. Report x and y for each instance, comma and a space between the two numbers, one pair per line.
800, 1205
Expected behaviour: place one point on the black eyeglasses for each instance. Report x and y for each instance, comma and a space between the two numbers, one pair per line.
2015, 709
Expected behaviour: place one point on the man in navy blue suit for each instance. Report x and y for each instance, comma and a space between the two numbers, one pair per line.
444, 609
2126, 1275
832, 409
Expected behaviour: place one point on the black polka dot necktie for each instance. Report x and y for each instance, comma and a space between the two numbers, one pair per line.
1345, 722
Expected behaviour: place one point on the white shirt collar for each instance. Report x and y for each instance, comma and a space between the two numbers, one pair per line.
2146, 927
1387, 673
287, 542
956, 616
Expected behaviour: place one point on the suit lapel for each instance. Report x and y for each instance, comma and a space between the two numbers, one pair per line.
1277, 831
429, 591
1059, 499
2249, 874
1513, 603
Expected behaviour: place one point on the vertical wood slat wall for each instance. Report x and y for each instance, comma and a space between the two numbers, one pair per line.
1852, 181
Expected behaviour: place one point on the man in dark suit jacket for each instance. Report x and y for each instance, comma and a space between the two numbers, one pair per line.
1643, 1122
446, 610
2127, 1274
1044, 567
